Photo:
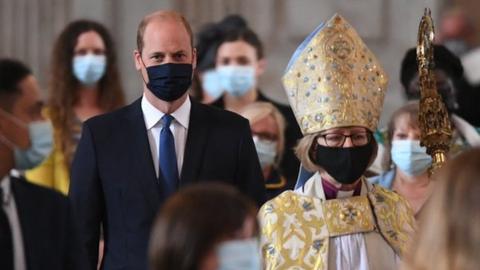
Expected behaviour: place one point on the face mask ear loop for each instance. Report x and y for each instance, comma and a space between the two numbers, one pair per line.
13, 119
16, 121
141, 74
7, 142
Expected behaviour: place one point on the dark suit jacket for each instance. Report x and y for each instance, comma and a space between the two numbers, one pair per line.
290, 163
113, 178
46, 224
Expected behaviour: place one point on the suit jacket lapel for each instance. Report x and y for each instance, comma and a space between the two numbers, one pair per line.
195, 145
143, 161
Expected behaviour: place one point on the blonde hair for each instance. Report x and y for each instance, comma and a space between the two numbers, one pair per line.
450, 226
257, 111
305, 150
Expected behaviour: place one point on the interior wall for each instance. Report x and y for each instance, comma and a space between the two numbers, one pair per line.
389, 27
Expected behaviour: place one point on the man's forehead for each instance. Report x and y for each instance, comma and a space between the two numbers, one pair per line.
168, 29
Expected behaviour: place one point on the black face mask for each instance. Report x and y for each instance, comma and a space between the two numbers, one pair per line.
169, 82
345, 165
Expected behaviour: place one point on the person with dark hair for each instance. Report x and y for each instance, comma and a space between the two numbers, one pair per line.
232, 22
240, 61
206, 227
206, 86
130, 161
84, 82
459, 97
35, 139
12, 72
36, 226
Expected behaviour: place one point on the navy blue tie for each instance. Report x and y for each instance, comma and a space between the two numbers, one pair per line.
168, 157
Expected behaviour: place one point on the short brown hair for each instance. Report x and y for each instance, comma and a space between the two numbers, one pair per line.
162, 14
411, 109
194, 221
305, 150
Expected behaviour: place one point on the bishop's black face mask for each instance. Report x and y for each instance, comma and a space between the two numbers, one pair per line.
345, 165
170, 81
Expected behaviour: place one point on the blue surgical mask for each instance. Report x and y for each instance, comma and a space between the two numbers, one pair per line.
41, 144
211, 84
237, 80
239, 255
410, 157
90, 68
170, 81
266, 150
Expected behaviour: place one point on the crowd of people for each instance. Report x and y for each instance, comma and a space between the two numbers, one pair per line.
203, 171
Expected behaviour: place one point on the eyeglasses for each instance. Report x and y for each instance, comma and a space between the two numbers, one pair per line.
337, 140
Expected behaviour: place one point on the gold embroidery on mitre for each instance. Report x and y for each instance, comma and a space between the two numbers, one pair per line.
395, 218
335, 81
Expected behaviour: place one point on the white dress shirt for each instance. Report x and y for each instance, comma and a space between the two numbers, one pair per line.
179, 128
10, 208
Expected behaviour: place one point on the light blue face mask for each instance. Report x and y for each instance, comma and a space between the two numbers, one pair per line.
239, 255
211, 84
237, 80
410, 157
41, 144
266, 151
90, 68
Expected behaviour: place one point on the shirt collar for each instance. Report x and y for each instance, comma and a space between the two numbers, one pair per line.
332, 192
153, 115
182, 114
6, 187
314, 186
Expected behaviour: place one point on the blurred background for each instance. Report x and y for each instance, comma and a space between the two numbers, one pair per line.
389, 27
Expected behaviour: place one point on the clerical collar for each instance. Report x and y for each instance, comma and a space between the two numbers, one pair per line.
332, 192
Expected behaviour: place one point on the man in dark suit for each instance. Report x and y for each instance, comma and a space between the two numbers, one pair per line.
35, 222
129, 161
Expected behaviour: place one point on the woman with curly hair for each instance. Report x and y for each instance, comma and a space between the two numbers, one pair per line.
84, 82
